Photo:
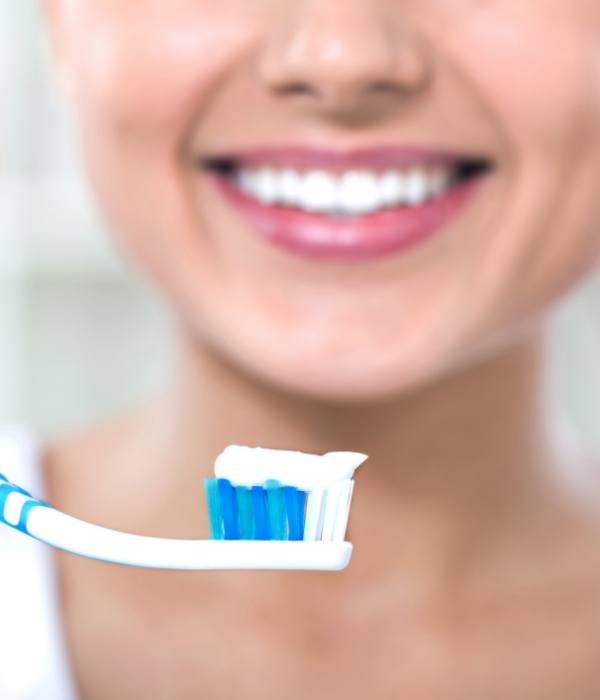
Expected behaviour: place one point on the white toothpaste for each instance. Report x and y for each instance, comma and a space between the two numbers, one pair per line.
250, 466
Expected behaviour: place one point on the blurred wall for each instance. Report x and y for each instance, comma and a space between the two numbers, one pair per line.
81, 336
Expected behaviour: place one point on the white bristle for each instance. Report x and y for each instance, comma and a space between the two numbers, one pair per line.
315, 513
343, 513
336, 493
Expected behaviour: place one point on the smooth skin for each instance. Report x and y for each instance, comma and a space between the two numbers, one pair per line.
476, 571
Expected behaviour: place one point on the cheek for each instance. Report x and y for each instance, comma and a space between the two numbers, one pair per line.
538, 71
538, 78
145, 77
140, 84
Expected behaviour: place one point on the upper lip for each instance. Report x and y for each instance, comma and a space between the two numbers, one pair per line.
370, 158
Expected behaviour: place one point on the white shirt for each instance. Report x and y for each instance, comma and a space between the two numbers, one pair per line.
33, 660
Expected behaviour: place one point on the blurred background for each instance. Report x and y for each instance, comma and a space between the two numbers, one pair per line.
81, 336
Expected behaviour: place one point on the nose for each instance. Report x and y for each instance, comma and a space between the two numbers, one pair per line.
342, 56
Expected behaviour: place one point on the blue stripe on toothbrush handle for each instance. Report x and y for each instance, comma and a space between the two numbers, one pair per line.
5, 490
27, 508
229, 509
14, 487
262, 531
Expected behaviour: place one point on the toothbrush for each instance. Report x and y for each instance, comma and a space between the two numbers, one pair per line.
268, 509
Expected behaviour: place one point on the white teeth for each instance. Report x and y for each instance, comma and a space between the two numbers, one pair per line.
439, 181
354, 192
319, 192
391, 187
290, 185
415, 187
359, 192
245, 180
266, 185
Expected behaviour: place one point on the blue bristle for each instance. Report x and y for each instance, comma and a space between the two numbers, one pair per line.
277, 512
229, 510
262, 531
245, 510
295, 512
301, 498
272, 511
213, 503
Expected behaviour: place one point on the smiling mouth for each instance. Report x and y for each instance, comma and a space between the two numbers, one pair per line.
339, 191
354, 205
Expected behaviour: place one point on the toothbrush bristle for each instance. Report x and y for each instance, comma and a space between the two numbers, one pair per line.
246, 514
275, 511
294, 503
261, 516
213, 505
229, 509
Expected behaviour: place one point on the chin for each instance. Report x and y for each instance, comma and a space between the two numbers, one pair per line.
351, 378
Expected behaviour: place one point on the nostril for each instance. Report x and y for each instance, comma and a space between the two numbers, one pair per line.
382, 86
296, 88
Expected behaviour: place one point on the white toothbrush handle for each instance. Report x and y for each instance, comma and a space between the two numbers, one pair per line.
21, 511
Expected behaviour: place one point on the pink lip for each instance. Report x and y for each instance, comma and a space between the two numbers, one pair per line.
372, 158
361, 237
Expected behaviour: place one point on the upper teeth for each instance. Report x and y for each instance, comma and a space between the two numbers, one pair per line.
353, 192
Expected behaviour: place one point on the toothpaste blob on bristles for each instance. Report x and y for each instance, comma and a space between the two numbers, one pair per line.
253, 466
262, 494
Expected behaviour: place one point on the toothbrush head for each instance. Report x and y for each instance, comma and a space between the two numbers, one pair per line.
267, 494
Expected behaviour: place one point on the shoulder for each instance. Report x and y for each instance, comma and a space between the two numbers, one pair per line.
80, 464
573, 554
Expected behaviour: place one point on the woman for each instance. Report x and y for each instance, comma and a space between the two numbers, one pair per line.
360, 214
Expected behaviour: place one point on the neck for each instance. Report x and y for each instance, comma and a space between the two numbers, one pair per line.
449, 463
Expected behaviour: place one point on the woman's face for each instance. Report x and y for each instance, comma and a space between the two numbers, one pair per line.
162, 84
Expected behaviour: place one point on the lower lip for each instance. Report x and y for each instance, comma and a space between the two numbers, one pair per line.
358, 237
